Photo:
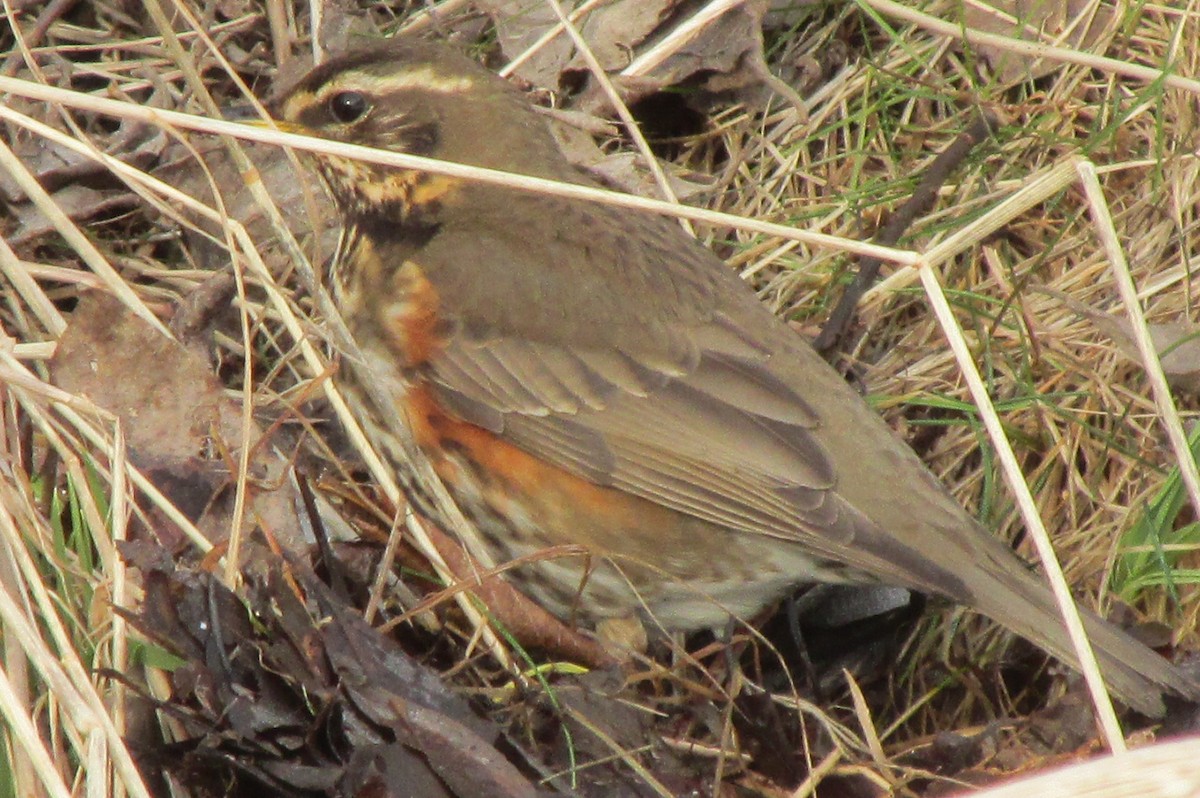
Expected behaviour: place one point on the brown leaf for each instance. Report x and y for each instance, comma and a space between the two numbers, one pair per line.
519, 23
615, 29
308, 696
181, 430
82, 188
305, 208
1176, 342
79, 203
725, 55
1034, 20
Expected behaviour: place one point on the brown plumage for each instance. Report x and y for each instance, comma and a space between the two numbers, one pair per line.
586, 375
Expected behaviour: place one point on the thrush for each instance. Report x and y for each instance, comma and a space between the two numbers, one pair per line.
582, 375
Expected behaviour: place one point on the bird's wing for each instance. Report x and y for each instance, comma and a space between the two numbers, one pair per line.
716, 437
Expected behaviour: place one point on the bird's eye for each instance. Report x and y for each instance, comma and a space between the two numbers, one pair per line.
348, 106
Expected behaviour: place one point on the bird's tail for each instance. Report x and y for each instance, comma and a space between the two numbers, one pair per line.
1135, 674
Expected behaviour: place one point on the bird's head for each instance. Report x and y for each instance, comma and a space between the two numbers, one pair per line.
421, 99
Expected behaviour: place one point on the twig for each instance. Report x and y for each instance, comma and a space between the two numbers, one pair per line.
834, 332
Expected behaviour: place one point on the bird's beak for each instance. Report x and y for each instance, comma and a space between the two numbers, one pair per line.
252, 116
277, 124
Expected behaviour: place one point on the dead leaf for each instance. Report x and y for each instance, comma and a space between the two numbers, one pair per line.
724, 55
627, 171
82, 188
305, 208
291, 691
1177, 342
56, 166
605, 729
520, 23
78, 202
181, 429
1082, 21
613, 30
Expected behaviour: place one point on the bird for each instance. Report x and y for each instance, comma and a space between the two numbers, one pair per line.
594, 378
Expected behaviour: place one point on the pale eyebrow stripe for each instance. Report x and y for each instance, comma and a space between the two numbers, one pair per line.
421, 78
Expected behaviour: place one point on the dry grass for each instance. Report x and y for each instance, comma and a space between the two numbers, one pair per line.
1085, 427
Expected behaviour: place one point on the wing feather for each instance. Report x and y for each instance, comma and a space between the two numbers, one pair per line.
716, 442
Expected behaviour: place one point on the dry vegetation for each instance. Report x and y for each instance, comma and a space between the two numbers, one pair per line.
1034, 290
